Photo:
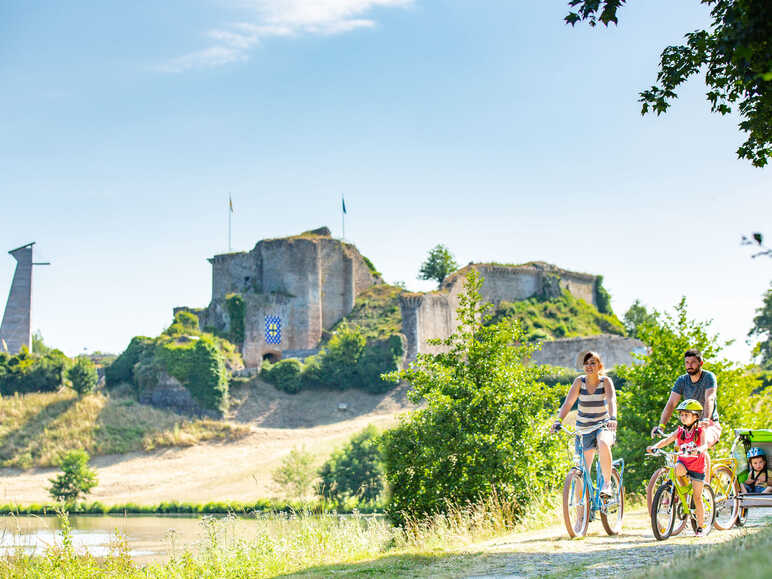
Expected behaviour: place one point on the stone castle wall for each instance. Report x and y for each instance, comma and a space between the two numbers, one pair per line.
433, 315
308, 282
569, 352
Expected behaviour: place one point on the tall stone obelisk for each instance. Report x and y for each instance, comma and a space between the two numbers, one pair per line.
15, 329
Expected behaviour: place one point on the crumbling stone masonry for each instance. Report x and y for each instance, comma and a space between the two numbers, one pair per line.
433, 315
293, 289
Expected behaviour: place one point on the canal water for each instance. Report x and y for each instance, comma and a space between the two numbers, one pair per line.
148, 537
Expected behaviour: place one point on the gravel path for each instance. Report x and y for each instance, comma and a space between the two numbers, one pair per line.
550, 552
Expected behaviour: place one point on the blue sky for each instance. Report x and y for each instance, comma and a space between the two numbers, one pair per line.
489, 126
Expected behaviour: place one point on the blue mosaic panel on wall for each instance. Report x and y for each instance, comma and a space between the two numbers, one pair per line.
272, 330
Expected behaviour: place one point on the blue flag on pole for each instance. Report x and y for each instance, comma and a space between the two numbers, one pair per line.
344, 205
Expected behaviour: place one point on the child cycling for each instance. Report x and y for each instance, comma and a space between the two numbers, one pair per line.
758, 477
689, 437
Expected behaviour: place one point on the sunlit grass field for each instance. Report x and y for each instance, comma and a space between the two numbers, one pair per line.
37, 428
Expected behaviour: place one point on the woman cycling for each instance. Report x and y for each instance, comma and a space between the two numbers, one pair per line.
596, 422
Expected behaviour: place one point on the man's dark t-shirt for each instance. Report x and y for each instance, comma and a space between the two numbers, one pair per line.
696, 390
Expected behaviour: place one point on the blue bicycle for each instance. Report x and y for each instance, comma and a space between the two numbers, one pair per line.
582, 499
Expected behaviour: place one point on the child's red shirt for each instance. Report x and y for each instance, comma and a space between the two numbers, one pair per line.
683, 436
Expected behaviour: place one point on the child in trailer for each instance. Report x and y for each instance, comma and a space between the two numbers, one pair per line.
758, 477
689, 437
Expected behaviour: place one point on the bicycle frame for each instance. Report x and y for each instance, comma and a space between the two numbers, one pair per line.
597, 502
682, 491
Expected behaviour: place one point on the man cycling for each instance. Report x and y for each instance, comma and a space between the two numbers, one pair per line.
700, 385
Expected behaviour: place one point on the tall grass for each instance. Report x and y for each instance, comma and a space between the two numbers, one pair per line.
284, 543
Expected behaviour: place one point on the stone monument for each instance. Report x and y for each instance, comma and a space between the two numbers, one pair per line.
15, 329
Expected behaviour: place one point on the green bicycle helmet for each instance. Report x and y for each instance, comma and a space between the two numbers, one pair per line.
756, 451
690, 405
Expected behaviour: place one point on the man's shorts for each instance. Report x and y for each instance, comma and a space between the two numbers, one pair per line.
590, 440
693, 474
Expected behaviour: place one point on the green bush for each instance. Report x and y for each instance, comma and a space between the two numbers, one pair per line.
347, 361
83, 375
76, 479
668, 337
378, 358
26, 372
122, 369
184, 323
481, 433
284, 374
338, 360
296, 473
356, 470
200, 366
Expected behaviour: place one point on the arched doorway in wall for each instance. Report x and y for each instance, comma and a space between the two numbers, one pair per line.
271, 356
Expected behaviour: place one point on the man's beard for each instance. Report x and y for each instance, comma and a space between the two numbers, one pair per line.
692, 372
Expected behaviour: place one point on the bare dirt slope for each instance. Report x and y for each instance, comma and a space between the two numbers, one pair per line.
240, 470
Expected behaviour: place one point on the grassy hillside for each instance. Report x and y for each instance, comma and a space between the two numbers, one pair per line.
37, 428
376, 312
563, 317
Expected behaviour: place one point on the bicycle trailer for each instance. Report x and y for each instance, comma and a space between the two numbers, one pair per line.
745, 438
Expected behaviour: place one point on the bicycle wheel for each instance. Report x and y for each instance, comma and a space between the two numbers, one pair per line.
680, 519
663, 511
709, 504
576, 504
614, 507
657, 478
726, 489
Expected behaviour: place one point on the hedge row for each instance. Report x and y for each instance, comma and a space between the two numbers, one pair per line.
176, 507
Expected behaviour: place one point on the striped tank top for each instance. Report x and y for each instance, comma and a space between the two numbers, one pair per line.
593, 409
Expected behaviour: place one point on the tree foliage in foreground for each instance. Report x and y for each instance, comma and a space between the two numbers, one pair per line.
439, 263
649, 383
735, 53
481, 431
762, 328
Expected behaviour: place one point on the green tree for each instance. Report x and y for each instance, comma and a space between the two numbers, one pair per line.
649, 383
439, 263
356, 470
762, 327
636, 316
482, 428
296, 473
735, 53
38, 345
76, 479
83, 375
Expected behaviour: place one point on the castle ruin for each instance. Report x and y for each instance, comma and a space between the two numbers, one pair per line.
295, 288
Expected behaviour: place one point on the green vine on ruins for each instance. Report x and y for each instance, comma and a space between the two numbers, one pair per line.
235, 305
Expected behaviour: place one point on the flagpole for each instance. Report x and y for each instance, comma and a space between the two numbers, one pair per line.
343, 216
230, 214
